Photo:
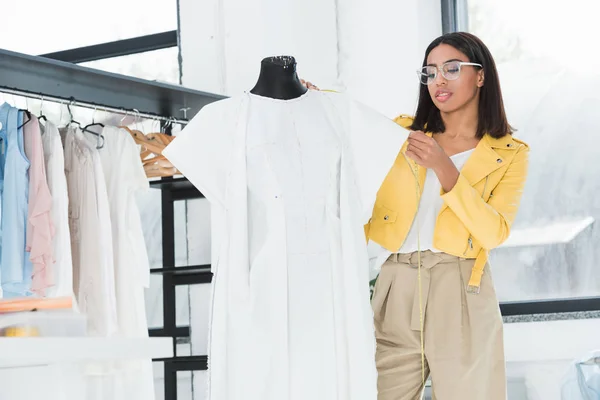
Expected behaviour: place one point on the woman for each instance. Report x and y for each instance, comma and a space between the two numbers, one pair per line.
451, 196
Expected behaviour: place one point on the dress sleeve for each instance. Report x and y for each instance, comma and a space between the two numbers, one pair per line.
374, 142
201, 151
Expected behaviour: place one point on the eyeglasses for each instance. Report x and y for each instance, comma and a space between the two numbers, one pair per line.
450, 70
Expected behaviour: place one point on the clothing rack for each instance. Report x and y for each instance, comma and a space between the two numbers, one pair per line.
74, 85
34, 76
73, 102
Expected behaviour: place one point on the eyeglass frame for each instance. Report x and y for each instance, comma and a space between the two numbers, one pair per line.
439, 68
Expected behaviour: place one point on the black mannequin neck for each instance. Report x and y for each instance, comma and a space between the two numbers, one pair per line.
278, 79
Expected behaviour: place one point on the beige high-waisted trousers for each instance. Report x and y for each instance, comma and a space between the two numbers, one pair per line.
464, 352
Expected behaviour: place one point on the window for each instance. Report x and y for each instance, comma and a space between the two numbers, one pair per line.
66, 24
548, 70
158, 65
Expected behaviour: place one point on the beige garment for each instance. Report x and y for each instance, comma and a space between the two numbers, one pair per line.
464, 352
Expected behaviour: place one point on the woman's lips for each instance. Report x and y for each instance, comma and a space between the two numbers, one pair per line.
443, 95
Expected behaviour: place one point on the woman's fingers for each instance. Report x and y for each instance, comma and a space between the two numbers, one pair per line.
309, 85
413, 155
417, 144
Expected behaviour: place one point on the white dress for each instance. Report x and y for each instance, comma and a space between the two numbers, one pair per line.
124, 176
292, 183
55, 173
297, 160
91, 234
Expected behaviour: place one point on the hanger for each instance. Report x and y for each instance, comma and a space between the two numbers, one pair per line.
156, 171
93, 121
141, 139
84, 129
155, 164
28, 119
144, 153
42, 116
26, 111
99, 135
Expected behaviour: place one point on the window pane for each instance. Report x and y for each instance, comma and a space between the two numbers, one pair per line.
182, 318
198, 228
158, 369
184, 385
158, 65
552, 101
200, 298
67, 24
154, 302
200, 384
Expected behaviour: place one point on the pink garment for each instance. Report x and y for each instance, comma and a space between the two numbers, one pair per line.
40, 228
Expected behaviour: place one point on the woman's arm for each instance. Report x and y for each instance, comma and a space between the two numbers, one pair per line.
489, 222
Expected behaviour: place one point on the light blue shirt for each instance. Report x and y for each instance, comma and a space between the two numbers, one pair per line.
15, 265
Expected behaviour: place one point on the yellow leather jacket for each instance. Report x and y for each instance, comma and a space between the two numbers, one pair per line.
477, 213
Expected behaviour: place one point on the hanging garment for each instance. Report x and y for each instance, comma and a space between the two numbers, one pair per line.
16, 267
582, 381
57, 183
91, 235
124, 176
40, 228
295, 181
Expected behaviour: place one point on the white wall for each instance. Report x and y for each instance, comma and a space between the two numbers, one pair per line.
369, 49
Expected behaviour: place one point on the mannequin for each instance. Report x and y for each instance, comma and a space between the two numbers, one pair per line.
278, 79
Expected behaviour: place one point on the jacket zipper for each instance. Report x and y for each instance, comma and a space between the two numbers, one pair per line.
469, 245
470, 240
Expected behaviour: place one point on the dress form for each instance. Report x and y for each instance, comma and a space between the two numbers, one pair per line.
278, 79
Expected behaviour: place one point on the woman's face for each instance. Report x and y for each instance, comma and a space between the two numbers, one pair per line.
452, 95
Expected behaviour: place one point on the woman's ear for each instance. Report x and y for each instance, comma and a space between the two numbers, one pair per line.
480, 78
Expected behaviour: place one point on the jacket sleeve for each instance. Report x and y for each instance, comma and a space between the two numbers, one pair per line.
489, 222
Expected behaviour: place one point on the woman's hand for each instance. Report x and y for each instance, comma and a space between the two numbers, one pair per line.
308, 85
426, 152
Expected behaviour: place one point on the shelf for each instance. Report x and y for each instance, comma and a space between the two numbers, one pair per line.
180, 188
180, 332
64, 80
192, 275
186, 363
195, 269
21, 352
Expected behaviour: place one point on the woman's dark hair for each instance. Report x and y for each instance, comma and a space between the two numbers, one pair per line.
492, 116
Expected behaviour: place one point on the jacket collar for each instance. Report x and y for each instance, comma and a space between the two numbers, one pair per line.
489, 155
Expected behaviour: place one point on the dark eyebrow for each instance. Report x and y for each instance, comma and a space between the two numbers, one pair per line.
447, 61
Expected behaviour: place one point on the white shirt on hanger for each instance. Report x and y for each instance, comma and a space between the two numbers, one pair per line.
125, 177
55, 173
91, 234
